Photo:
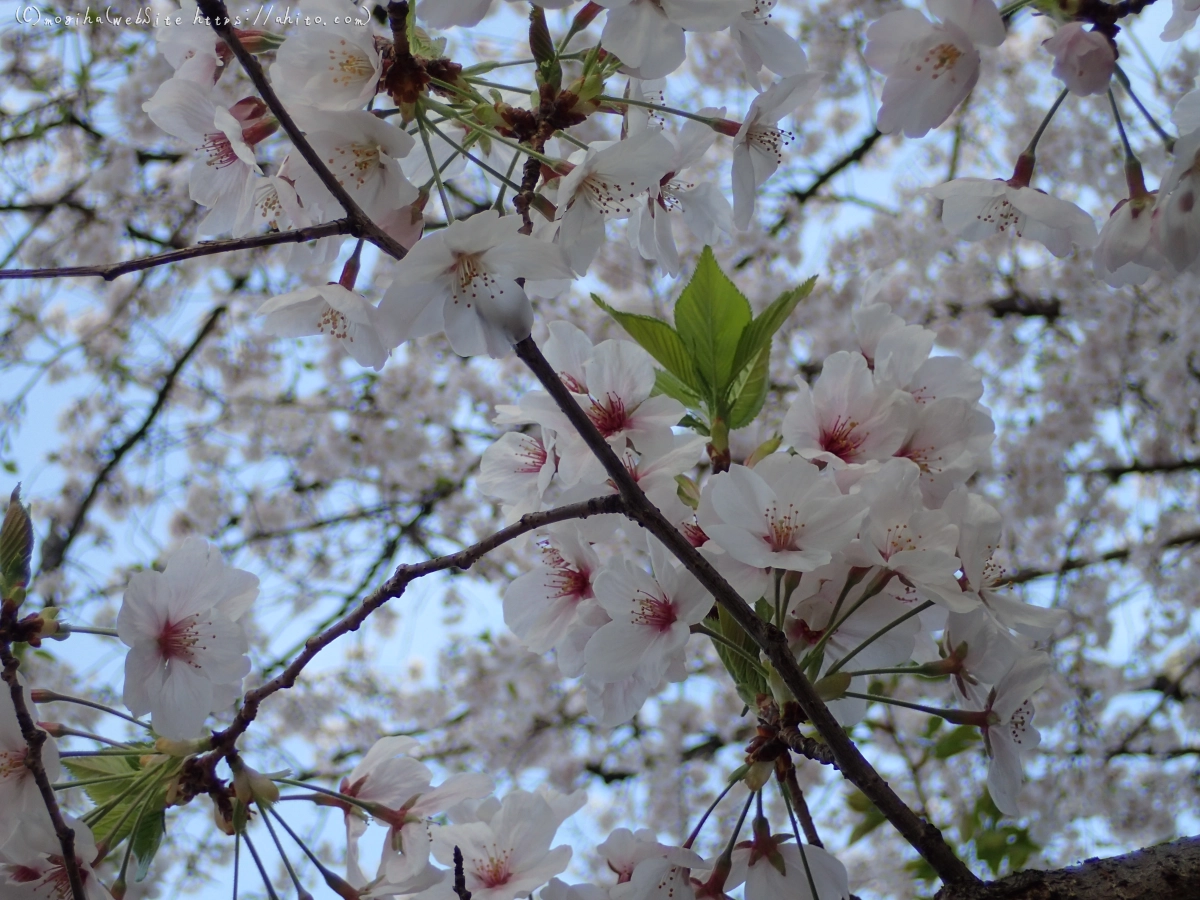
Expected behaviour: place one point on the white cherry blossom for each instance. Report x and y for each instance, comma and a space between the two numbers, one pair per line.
758, 143
463, 280
1175, 227
930, 67
31, 863
541, 605
648, 36
1009, 731
222, 178
1183, 16
783, 514
509, 855
332, 310
517, 469
977, 208
606, 181
762, 43
787, 875
1127, 251
332, 67
187, 654
845, 418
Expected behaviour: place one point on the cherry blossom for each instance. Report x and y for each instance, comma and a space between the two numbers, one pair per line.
1176, 220
463, 280
363, 153
605, 182
845, 418
623, 849
903, 537
19, 794
1084, 60
647, 35
221, 179
400, 788
1183, 16
1009, 731
508, 855
930, 67
651, 617
761, 43
333, 67
467, 13
783, 513
187, 652
541, 605
31, 863
657, 878
758, 144
518, 469
333, 311
977, 208
1127, 251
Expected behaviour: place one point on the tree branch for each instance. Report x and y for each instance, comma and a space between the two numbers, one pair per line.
800, 197
111, 271
361, 224
54, 547
1166, 872
923, 836
223, 741
1119, 555
34, 739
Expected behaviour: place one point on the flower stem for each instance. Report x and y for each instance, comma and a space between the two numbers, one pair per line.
708, 812
954, 716
42, 695
877, 635
450, 112
1037, 135
873, 587
657, 107
287, 863
479, 162
423, 127
1168, 141
1129, 155
345, 798
67, 628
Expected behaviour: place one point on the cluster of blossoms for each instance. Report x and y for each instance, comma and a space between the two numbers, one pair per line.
861, 539
471, 280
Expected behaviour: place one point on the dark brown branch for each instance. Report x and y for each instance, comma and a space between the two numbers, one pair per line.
223, 741
1166, 872
1119, 555
34, 739
460, 877
1115, 473
923, 836
1016, 304
800, 197
57, 542
361, 224
115, 270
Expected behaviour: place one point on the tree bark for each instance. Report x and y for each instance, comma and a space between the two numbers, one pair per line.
1165, 872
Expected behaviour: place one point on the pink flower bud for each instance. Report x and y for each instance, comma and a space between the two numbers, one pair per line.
1084, 60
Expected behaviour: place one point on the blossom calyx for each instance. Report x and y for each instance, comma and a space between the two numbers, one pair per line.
252, 786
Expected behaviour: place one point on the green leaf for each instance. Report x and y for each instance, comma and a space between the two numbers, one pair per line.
16, 546
758, 333
86, 768
658, 339
146, 840
710, 316
1008, 843
956, 741
666, 383
694, 424
749, 392
748, 681
148, 788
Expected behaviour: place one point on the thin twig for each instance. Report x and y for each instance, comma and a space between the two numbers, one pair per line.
111, 271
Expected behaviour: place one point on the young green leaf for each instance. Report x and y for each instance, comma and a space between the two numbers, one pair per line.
758, 333
658, 339
16, 547
748, 681
666, 383
709, 317
147, 837
749, 392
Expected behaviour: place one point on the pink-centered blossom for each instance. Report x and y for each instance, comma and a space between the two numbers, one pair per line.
930, 66
335, 66
32, 867
187, 654
783, 514
773, 866
541, 605
846, 418
508, 855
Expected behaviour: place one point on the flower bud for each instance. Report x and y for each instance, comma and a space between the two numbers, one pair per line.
759, 774
252, 786
763, 450
182, 748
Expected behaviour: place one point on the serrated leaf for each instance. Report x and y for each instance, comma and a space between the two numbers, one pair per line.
86, 768
710, 316
658, 339
956, 741
148, 788
16, 546
749, 392
666, 383
694, 424
147, 838
758, 333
